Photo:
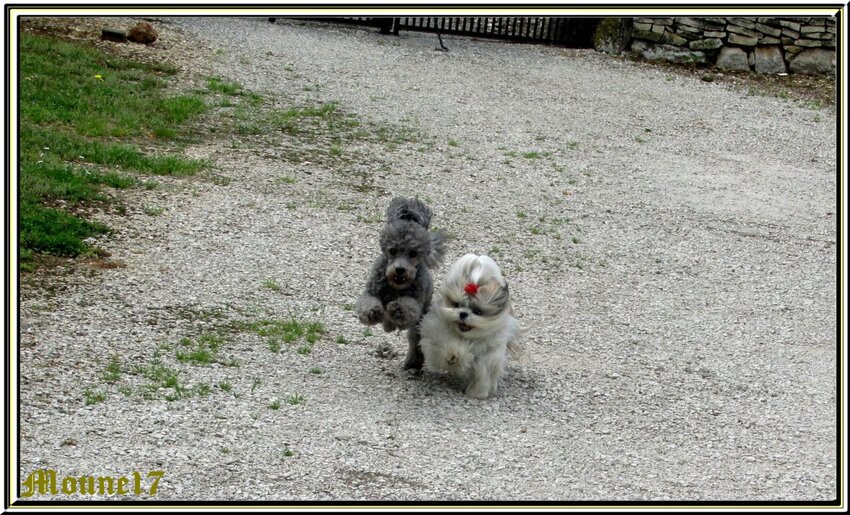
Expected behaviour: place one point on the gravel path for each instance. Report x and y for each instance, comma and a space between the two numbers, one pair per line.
670, 245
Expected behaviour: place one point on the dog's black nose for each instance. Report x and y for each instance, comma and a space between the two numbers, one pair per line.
399, 272
463, 315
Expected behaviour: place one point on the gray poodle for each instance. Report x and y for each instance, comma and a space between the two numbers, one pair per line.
399, 289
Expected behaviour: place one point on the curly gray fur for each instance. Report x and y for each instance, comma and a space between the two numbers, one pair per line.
399, 289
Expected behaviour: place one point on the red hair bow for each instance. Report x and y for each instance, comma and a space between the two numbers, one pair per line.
471, 289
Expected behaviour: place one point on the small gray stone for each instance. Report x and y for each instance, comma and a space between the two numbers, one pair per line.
737, 39
749, 23
640, 25
744, 31
715, 34
767, 29
809, 43
790, 25
690, 22
791, 33
810, 29
647, 35
732, 58
814, 60
769, 59
705, 44
687, 29
767, 40
674, 39
669, 53
658, 28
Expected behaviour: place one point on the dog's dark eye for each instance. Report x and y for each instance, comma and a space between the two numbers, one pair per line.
412, 254
455, 304
392, 251
476, 311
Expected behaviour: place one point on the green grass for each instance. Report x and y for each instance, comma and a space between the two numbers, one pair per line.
315, 370
153, 210
113, 370
275, 405
219, 85
296, 399
201, 352
274, 344
203, 390
93, 397
534, 154
83, 114
271, 284
287, 330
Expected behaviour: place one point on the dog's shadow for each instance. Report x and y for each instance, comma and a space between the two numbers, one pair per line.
517, 383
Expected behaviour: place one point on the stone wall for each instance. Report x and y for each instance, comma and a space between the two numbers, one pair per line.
766, 45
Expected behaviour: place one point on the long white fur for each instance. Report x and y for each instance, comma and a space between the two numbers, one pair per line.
478, 356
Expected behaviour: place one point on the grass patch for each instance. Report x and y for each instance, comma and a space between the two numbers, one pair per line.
82, 111
113, 370
93, 396
201, 352
289, 331
296, 399
271, 284
219, 85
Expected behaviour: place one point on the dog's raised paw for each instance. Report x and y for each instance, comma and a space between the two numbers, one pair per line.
370, 314
403, 314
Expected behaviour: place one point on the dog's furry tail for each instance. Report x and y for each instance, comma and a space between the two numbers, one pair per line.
438, 249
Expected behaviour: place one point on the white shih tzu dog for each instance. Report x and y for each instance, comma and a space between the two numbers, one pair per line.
470, 328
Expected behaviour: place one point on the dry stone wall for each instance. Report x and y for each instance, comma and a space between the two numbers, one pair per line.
765, 45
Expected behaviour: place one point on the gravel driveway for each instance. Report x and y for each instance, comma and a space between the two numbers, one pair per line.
670, 245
